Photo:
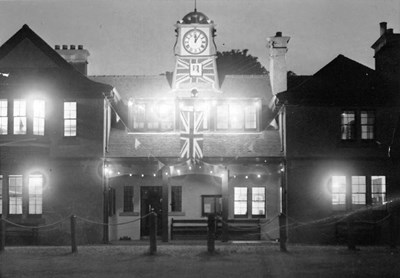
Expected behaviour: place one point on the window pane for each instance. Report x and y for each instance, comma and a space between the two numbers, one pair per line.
250, 117
3, 117
358, 187
348, 128
35, 194
378, 190
38, 117
19, 116
70, 113
236, 115
139, 116
367, 125
128, 198
176, 198
258, 201
166, 115
222, 116
339, 192
15, 194
240, 200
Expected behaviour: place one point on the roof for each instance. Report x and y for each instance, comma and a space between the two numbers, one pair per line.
195, 17
342, 81
158, 86
262, 144
26, 57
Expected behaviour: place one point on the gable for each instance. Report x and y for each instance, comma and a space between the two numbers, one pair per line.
26, 55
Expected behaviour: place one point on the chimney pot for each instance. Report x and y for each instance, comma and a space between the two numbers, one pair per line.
389, 31
383, 26
278, 34
72, 47
65, 46
80, 47
57, 47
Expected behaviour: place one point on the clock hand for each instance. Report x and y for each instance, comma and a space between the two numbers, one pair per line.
196, 38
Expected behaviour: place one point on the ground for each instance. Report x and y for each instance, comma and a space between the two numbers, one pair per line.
192, 260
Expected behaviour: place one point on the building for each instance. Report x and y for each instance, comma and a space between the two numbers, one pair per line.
272, 155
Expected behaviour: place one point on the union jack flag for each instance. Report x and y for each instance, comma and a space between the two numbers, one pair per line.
191, 138
195, 72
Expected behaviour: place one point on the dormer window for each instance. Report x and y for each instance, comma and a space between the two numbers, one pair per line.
152, 116
19, 116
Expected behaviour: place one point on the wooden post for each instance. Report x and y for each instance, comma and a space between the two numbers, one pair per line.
283, 227
153, 233
165, 202
105, 207
73, 234
3, 225
225, 205
211, 233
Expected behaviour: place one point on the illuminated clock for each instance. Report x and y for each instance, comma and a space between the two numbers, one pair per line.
195, 41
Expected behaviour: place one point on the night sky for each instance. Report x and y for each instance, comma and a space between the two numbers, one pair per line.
137, 36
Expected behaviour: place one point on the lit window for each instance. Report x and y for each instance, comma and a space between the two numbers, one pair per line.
348, 127
38, 117
222, 116
1, 194
15, 194
35, 194
258, 201
378, 190
3, 117
153, 121
70, 118
358, 189
139, 116
19, 116
236, 116
250, 117
367, 125
128, 198
240, 201
166, 116
339, 192
176, 198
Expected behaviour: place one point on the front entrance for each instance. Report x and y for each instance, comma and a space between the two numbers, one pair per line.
150, 199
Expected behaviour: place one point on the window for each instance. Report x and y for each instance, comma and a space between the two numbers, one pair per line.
367, 125
348, 127
211, 204
339, 192
158, 116
70, 112
236, 116
38, 117
222, 116
176, 198
258, 201
139, 116
3, 117
359, 190
15, 194
128, 198
1, 194
250, 117
240, 201
378, 190
19, 116
362, 191
35, 194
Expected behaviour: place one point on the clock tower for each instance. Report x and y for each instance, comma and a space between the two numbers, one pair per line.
195, 53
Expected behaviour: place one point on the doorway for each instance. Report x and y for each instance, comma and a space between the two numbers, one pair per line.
151, 199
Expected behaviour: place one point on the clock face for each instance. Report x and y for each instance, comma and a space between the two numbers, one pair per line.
195, 41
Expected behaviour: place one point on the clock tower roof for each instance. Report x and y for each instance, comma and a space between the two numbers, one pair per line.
195, 17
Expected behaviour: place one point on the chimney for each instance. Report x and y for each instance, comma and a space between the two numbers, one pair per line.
387, 55
76, 56
277, 62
